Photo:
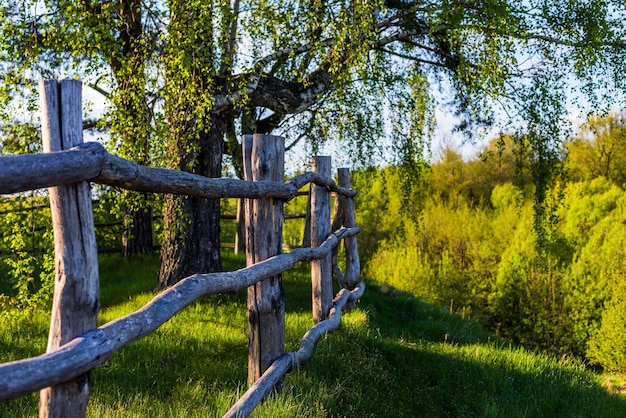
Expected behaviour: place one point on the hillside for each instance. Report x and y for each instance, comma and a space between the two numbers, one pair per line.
393, 357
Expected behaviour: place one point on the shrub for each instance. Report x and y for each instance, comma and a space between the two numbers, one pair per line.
27, 256
607, 346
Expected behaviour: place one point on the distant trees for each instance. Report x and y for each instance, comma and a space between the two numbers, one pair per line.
599, 149
503, 160
476, 251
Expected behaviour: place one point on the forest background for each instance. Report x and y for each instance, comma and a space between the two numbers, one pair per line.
469, 242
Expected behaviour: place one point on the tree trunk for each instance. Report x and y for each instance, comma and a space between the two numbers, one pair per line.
138, 231
191, 243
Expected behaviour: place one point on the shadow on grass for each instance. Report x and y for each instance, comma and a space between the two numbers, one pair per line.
413, 359
162, 370
394, 356
403, 380
121, 278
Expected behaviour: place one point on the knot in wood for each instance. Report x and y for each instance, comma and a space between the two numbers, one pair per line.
264, 169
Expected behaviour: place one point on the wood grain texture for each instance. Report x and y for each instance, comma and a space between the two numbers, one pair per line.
128, 175
75, 303
35, 171
353, 264
266, 304
321, 270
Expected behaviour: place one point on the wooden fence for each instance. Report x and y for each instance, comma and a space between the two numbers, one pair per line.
76, 345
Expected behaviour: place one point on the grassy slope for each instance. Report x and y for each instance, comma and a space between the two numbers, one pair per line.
393, 357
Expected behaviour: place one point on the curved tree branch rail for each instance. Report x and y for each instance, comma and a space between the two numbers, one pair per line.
91, 162
76, 346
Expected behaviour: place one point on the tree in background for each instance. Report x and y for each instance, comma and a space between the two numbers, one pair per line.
472, 180
358, 71
450, 177
599, 149
109, 44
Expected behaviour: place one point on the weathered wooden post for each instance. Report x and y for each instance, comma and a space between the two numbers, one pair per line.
76, 290
353, 265
321, 270
264, 159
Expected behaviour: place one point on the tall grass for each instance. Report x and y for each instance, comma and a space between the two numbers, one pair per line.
394, 356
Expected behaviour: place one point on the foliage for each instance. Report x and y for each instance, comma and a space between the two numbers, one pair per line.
599, 150
555, 286
503, 160
452, 260
607, 345
106, 211
27, 256
596, 274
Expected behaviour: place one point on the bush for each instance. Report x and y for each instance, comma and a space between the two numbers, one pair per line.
26, 256
607, 346
561, 289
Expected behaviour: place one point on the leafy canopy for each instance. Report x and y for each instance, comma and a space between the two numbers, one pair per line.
356, 70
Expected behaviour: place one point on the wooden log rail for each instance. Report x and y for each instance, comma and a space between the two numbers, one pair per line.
76, 346
91, 162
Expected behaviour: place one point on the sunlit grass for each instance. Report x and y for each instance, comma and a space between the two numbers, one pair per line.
393, 357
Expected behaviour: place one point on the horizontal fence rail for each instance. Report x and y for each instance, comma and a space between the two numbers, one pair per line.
91, 162
73, 351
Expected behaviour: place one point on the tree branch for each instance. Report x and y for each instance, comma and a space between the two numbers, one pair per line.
412, 58
94, 86
268, 124
286, 97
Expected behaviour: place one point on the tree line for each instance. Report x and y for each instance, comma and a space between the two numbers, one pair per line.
478, 249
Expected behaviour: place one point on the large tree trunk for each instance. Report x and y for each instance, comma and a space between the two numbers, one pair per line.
191, 243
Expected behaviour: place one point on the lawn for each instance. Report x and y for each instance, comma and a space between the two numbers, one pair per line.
394, 356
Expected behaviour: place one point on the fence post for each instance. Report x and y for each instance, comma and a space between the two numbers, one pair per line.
321, 270
264, 159
76, 290
353, 265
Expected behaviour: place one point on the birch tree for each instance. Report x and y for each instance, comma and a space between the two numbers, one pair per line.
365, 72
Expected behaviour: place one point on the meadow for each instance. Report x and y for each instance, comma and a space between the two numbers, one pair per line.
394, 356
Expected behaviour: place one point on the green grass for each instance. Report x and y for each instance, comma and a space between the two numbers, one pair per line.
393, 357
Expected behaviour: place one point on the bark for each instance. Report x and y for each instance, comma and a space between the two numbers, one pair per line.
76, 287
321, 270
191, 243
138, 231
